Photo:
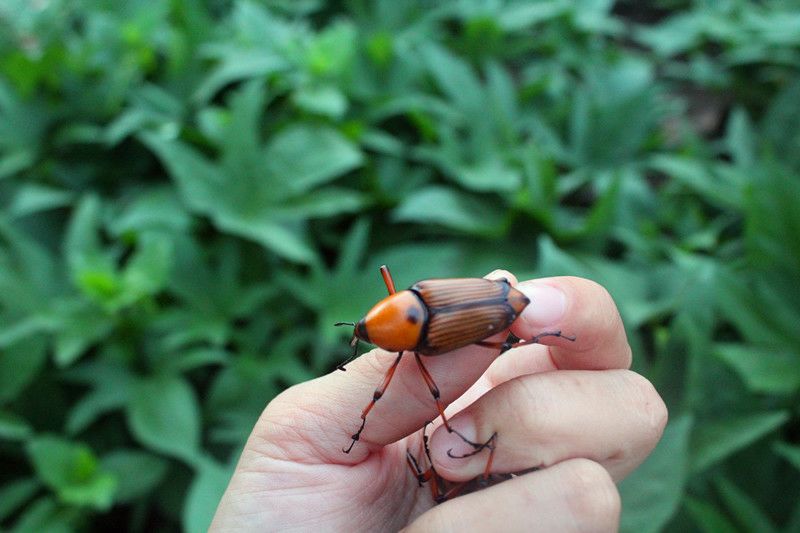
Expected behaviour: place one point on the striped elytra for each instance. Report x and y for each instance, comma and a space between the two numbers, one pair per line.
436, 316
465, 311
460, 291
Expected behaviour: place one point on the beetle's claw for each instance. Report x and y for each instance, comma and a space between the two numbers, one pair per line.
478, 447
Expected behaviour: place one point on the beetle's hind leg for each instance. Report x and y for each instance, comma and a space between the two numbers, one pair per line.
441, 490
490, 444
437, 482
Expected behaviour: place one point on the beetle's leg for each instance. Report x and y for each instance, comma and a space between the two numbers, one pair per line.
428, 475
490, 444
375, 397
354, 344
412, 463
387, 279
556, 333
513, 341
510, 342
439, 405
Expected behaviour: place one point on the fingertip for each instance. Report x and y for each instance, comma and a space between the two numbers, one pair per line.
579, 309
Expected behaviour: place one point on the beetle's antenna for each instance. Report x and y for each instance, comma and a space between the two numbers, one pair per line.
353, 343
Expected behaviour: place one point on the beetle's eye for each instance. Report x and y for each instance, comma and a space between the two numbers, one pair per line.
412, 315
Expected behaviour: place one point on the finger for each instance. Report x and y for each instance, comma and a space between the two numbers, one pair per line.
576, 495
580, 308
315, 420
519, 361
613, 417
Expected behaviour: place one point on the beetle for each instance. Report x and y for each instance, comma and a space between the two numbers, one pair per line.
433, 317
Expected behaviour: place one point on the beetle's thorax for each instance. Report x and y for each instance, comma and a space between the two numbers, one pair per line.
396, 323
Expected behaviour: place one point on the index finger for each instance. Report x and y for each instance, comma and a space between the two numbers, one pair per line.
579, 308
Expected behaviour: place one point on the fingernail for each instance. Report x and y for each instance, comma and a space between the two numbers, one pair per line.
547, 306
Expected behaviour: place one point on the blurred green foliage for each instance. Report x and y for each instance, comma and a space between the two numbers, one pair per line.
192, 193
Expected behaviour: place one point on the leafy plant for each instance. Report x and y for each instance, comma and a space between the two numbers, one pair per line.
192, 193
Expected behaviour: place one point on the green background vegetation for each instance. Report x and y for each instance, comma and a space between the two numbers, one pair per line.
191, 194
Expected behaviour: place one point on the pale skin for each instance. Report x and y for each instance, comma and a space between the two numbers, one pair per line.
572, 408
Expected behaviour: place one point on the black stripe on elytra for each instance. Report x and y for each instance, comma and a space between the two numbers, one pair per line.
423, 332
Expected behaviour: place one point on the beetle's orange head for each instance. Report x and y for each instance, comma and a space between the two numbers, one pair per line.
395, 323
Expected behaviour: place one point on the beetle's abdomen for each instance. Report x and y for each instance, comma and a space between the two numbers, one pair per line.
464, 311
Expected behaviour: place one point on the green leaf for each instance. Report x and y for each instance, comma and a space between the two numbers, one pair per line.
515, 17
722, 188
327, 202
452, 209
45, 514
93, 405
282, 239
158, 208
454, 77
204, 495
148, 270
741, 506
20, 364
740, 138
707, 517
72, 471
82, 245
240, 65
164, 416
653, 492
715, 440
33, 198
15, 494
187, 360
326, 101
331, 52
13, 427
303, 157
199, 181
789, 452
489, 174
250, 194
111, 389
138, 472
239, 393
763, 369
80, 325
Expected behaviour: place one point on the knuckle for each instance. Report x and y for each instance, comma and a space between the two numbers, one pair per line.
523, 405
649, 404
592, 496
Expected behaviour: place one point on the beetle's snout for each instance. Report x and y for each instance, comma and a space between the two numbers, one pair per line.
361, 330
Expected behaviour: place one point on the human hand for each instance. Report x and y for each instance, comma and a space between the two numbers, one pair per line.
571, 408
